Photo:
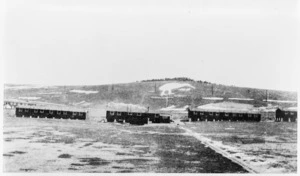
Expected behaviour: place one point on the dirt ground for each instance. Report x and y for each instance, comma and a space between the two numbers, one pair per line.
264, 147
53, 145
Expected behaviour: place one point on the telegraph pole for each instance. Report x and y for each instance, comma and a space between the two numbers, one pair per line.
212, 90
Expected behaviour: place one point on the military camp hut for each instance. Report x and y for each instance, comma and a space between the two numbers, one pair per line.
286, 115
162, 118
223, 115
137, 118
11, 104
268, 114
51, 112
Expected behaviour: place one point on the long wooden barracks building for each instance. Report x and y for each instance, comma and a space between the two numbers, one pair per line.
136, 118
51, 112
228, 115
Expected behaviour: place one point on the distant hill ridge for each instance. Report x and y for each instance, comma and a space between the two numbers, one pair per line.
176, 79
147, 93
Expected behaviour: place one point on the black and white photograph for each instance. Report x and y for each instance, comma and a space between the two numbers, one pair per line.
150, 86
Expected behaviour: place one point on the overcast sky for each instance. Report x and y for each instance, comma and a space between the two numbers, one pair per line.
249, 43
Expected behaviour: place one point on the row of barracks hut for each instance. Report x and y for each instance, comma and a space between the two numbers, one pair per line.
51, 113
225, 115
28, 109
136, 118
277, 115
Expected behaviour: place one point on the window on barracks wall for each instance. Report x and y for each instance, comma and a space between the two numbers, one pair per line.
35, 111
156, 115
74, 113
112, 113
20, 110
286, 113
292, 113
234, 115
26, 110
241, 115
249, 115
139, 114
51, 112
211, 113
201, 113
58, 112
129, 113
41, 111
195, 113
119, 113
80, 114
65, 113
226, 114
255, 115
217, 114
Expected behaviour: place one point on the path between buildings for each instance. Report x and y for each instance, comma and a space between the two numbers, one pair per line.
208, 143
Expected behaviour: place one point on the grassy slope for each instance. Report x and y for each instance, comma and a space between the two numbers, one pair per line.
141, 93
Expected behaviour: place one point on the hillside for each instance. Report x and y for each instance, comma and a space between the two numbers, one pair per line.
151, 94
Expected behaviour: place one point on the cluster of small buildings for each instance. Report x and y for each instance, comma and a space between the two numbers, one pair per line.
33, 110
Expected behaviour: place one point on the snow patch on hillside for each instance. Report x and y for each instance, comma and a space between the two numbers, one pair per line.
82, 103
185, 89
292, 109
19, 87
50, 93
29, 98
281, 101
84, 91
212, 98
227, 106
243, 99
167, 88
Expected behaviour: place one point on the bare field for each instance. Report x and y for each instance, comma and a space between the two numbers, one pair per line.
51, 145
265, 147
